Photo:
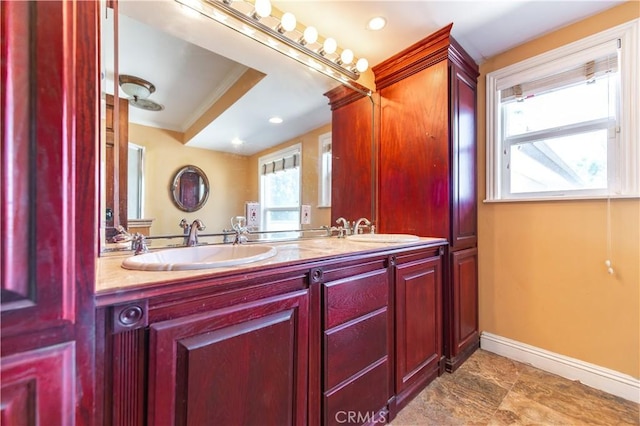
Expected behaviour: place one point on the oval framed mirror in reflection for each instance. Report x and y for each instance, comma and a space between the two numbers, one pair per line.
190, 189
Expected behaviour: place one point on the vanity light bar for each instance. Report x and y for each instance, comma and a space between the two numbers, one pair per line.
247, 22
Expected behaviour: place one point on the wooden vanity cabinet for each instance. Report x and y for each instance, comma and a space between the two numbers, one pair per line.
329, 342
418, 323
232, 351
427, 165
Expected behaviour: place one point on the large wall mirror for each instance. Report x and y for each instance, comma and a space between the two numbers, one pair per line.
205, 100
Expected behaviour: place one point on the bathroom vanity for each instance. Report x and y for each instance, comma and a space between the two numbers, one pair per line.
325, 328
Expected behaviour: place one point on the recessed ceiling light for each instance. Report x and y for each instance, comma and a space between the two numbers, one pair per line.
236, 142
376, 23
275, 120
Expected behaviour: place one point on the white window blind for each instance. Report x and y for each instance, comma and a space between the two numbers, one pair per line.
585, 72
280, 164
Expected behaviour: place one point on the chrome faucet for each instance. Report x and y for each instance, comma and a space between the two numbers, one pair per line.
139, 244
196, 226
239, 224
356, 225
343, 229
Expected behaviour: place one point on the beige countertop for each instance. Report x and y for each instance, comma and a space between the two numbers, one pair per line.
111, 276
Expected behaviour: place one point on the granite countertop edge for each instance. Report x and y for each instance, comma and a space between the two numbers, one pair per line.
112, 278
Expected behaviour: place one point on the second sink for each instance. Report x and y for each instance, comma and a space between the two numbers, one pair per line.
199, 257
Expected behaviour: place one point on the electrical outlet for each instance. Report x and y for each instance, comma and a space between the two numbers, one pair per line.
252, 214
306, 214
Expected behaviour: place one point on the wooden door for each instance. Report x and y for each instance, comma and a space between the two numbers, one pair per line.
463, 159
414, 155
418, 325
243, 365
463, 316
49, 227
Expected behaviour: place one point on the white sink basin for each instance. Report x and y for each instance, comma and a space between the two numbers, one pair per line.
383, 238
199, 257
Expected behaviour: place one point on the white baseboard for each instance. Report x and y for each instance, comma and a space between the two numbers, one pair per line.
592, 375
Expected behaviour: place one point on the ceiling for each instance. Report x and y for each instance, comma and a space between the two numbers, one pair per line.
198, 66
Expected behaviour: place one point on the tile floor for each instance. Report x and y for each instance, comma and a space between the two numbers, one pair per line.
492, 390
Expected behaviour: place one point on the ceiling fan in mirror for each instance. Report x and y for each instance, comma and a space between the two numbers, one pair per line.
139, 91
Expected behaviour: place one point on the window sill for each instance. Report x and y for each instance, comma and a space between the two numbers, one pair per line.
562, 198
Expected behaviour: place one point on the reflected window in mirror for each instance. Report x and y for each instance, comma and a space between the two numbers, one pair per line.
135, 182
324, 181
280, 189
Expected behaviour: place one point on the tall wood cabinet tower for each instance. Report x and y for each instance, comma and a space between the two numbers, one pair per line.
427, 169
352, 151
49, 113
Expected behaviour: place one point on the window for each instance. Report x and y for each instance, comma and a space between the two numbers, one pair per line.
280, 189
324, 177
135, 182
560, 125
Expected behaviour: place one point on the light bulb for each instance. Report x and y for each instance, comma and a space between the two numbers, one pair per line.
310, 35
330, 45
346, 56
288, 21
263, 8
362, 65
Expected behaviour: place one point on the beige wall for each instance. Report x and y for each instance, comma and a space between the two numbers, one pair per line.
164, 156
310, 173
233, 179
542, 275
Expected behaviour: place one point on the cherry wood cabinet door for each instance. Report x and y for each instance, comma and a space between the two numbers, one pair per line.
242, 365
414, 155
463, 317
463, 159
418, 325
49, 105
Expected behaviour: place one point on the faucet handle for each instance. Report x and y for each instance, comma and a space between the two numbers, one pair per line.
183, 224
239, 223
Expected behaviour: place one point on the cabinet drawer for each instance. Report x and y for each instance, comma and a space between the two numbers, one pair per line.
363, 397
352, 297
354, 346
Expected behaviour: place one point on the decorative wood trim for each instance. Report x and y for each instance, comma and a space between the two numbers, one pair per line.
316, 275
601, 378
130, 316
343, 95
129, 376
423, 54
414, 58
